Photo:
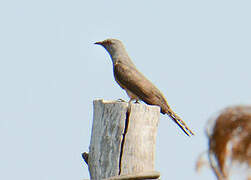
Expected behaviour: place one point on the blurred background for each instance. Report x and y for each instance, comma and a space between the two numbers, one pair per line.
196, 52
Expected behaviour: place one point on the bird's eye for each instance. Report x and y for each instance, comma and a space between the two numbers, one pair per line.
108, 42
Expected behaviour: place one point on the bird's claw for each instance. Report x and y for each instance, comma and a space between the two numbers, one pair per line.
137, 101
134, 101
121, 100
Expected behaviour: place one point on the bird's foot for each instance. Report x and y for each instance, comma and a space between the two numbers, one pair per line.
135, 101
121, 100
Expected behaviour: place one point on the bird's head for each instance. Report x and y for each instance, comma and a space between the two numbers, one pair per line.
113, 46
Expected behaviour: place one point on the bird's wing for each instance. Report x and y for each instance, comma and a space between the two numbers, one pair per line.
130, 78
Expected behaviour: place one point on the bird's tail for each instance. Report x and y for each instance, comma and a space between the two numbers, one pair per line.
179, 122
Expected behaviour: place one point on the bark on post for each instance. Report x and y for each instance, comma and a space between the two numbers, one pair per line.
123, 141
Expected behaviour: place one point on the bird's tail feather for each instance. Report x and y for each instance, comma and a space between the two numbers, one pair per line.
180, 122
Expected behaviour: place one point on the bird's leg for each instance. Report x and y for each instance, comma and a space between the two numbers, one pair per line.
130, 101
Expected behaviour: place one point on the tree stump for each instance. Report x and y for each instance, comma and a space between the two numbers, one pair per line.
123, 141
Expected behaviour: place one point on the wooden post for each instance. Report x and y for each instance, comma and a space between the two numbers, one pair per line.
123, 141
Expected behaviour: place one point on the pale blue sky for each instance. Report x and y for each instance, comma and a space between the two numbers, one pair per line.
196, 52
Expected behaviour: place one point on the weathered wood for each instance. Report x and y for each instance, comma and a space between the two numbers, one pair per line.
139, 176
123, 139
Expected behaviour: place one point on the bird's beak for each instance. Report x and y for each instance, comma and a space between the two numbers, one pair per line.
99, 43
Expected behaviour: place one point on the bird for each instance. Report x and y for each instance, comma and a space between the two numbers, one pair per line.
136, 85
